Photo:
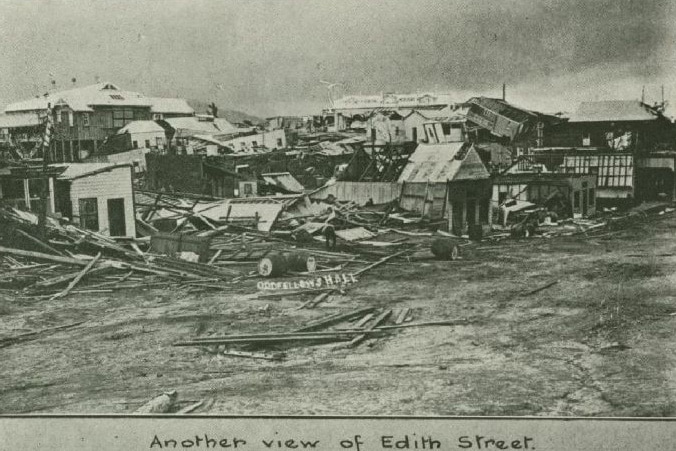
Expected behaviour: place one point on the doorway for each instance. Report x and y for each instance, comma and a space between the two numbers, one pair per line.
116, 222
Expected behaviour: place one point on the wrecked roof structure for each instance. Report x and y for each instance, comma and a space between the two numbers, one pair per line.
437, 163
190, 126
499, 117
283, 180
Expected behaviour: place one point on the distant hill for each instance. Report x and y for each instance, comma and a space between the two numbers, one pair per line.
232, 116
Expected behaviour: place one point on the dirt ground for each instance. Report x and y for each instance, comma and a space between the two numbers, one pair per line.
601, 342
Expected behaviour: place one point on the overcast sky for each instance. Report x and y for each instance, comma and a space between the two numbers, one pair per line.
267, 56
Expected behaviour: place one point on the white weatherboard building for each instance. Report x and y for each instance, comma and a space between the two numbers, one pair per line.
98, 197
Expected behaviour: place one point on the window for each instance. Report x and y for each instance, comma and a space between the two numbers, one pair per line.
446, 128
85, 119
122, 117
58, 117
586, 139
254, 143
576, 199
248, 189
279, 142
158, 116
147, 143
71, 121
89, 213
159, 141
134, 144
116, 97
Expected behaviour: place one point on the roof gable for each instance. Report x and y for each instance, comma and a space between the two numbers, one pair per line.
438, 163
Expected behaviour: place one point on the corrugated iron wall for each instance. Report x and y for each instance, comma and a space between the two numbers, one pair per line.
428, 199
361, 192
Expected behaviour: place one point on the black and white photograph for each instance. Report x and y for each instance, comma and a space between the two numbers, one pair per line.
338, 208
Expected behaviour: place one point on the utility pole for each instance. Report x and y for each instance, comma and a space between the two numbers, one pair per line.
44, 189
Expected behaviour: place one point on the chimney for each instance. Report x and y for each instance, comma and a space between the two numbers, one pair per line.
504, 91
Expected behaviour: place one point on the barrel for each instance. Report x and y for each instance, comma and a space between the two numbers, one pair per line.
444, 249
277, 264
272, 265
300, 261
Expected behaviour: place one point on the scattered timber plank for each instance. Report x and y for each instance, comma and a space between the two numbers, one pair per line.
425, 324
543, 287
363, 321
6, 341
273, 356
334, 319
316, 300
376, 322
335, 336
215, 257
380, 262
191, 407
65, 278
402, 315
40, 243
160, 404
77, 279
41, 256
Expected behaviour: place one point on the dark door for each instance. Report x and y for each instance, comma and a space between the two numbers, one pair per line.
584, 202
116, 223
414, 135
471, 212
456, 226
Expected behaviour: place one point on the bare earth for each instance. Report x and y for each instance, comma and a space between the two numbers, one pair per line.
601, 342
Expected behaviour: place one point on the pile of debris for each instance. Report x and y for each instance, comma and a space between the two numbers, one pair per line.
55, 259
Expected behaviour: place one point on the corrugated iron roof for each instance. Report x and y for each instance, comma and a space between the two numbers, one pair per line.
284, 180
192, 126
17, 120
108, 94
169, 105
141, 127
438, 163
80, 99
267, 209
78, 170
613, 111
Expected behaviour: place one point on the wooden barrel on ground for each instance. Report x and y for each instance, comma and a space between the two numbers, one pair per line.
300, 261
272, 265
444, 249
